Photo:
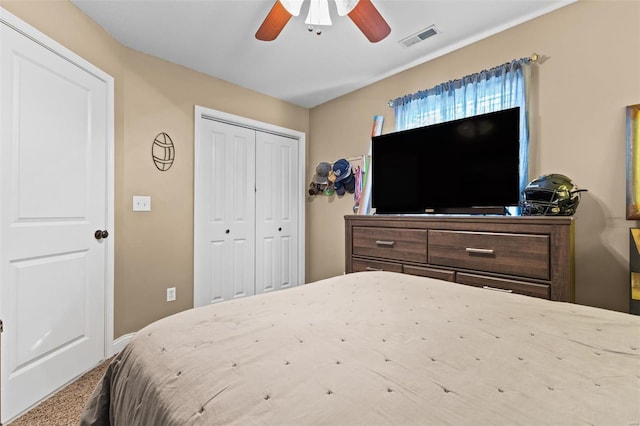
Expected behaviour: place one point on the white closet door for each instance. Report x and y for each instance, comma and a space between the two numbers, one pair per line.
276, 212
54, 197
224, 213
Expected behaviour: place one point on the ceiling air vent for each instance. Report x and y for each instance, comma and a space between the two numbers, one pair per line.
419, 36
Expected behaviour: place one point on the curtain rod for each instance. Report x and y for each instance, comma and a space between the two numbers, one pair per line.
534, 57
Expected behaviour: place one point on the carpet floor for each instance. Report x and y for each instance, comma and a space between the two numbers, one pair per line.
64, 407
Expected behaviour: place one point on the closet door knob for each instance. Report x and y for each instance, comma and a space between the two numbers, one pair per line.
279, 229
227, 231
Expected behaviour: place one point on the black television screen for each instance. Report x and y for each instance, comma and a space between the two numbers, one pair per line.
460, 165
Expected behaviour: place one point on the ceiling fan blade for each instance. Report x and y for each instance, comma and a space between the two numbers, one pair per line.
368, 19
274, 22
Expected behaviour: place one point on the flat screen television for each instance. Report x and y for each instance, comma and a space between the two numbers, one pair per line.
469, 165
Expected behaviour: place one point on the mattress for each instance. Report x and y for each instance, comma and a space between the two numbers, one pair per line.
377, 348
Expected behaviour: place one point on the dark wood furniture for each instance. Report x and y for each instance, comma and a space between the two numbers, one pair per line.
532, 255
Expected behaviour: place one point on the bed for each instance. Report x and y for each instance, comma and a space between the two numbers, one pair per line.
376, 348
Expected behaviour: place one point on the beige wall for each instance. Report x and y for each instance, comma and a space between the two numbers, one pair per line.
589, 72
153, 250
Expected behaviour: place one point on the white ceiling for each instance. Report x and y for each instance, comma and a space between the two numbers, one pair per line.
216, 37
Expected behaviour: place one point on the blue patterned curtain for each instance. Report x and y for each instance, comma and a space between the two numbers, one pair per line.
491, 90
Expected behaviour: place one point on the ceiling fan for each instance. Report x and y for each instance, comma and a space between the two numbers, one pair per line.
362, 12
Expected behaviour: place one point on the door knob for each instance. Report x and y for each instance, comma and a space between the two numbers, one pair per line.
101, 234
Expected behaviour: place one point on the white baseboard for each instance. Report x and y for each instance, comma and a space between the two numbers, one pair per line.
121, 342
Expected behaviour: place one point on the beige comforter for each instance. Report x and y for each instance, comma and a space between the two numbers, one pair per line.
378, 348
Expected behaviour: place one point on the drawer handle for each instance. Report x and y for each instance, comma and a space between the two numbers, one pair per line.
385, 243
479, 250
504, 290
369, 268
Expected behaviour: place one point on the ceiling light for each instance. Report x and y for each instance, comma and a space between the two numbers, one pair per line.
318, 15
292, 6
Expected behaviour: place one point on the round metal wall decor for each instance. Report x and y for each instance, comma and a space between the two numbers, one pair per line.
163, 152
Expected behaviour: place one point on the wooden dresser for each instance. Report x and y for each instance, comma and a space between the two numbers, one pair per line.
532, 255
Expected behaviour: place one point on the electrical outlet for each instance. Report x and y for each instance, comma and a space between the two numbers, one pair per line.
141, 203
171, 294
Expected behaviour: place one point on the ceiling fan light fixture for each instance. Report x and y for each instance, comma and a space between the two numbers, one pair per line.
362, 12
292, 6
318, 13
345, 6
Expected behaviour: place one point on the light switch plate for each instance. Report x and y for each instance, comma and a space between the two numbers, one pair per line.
141, 203
171, 294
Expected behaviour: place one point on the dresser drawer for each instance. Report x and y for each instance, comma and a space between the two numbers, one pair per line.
525, 255
500, 284
429, 272
391, 243
360, 265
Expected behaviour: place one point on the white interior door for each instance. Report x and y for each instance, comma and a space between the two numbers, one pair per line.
54, 180
224, 213
276, 212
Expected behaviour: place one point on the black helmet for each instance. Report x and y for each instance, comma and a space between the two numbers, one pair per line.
551, 195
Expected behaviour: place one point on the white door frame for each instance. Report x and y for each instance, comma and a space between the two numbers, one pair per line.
6, 18
212, 114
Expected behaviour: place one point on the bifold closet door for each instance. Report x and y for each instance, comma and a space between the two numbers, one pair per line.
224, 213
246, 211
276, 212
